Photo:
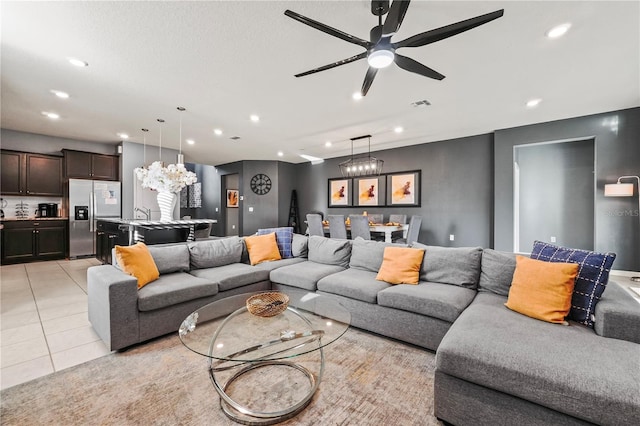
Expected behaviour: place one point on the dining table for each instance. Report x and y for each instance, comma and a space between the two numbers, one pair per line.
382, 228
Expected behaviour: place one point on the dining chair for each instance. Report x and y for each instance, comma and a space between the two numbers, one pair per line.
398, 218
314, 223
413, 232
337, 228
376, 218
360, 227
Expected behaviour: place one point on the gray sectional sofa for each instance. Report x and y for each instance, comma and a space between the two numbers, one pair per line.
493, 365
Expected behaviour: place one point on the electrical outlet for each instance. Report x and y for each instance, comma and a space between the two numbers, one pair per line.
216, 210
552, 239
452, 237
233, 227
250, 209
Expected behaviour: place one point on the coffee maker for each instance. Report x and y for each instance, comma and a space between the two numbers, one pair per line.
48, 210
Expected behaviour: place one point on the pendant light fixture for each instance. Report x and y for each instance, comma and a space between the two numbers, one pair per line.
144, 147
160, 121
365, 165
180, 156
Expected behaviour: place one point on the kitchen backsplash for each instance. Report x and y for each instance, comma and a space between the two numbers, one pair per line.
12, 204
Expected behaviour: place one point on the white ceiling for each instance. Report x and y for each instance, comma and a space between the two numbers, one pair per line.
223, 61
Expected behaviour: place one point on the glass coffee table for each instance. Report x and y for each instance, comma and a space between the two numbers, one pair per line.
265, 369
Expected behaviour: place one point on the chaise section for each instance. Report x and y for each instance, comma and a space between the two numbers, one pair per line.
568, 369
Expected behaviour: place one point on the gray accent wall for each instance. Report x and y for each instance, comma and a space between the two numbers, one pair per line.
456, 190
617, 152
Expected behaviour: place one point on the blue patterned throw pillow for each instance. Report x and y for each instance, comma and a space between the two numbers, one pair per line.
593, 275
284, 238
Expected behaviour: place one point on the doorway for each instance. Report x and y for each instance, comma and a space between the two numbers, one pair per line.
554, 194
231, 189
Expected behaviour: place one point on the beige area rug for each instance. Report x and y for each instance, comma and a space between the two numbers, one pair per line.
368, 380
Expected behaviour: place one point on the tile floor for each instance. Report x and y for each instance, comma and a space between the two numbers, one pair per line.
43, 319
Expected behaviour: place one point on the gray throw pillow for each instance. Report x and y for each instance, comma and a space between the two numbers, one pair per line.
213, 253
173, 258
451, 265
300, 245
329, 251
496, 273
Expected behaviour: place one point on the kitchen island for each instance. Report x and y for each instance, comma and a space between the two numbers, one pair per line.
110, 231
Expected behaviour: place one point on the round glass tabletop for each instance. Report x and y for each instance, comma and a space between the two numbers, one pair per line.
225, 330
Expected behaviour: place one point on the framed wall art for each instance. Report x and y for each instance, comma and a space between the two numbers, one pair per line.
403, 189
233, 196
340, 192
369, 191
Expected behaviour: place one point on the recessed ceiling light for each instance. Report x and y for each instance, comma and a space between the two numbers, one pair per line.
558, 31
190, 141
280, 153
78, 62
532, 103
51, 115
357, 96
398, 129
123, 135
255, 118
60, 94
217, 132
327, 144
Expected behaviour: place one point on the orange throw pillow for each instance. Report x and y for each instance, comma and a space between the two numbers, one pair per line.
136, 260
400, 265
542, 290
262, 248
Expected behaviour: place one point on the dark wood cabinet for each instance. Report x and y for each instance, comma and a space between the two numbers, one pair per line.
108, 235
29, 240
31, 174
87, 165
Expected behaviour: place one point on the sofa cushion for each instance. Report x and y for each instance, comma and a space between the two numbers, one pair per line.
542, 290
367, 255
300, 245
451, 265
354, 284
275, 264
568, 369
442, 301
173, 288
304, 274
401, 265
213, 253
496, 271
329, 251
592, 276
617, 314
262, 248
232, 276
284, 239
173, 258
136, 261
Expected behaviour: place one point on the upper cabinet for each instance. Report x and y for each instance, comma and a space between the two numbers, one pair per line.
87, 165
24, 173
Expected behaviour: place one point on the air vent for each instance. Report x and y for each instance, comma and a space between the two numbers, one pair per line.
235, 138
420, 104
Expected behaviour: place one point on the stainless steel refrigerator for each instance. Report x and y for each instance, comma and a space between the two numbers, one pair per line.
90, 200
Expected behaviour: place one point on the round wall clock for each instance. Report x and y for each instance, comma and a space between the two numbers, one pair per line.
260, 184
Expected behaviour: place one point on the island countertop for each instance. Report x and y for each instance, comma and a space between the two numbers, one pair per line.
156, 224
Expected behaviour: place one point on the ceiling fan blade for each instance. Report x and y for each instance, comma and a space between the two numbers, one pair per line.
411, 65
394, 18
368, 79
448, 30
333, 65
329, 30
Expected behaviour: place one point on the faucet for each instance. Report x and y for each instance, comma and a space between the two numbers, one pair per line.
144, 211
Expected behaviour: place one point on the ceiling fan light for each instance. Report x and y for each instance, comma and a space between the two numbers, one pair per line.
380, 58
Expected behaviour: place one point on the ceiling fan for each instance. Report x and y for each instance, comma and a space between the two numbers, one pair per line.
380, 51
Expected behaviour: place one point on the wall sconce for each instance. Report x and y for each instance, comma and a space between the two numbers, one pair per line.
620, 189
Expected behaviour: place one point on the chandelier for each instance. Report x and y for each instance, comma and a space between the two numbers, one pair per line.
364, 165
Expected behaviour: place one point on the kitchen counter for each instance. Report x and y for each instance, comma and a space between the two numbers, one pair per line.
15, 219
156, 224
132, 231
